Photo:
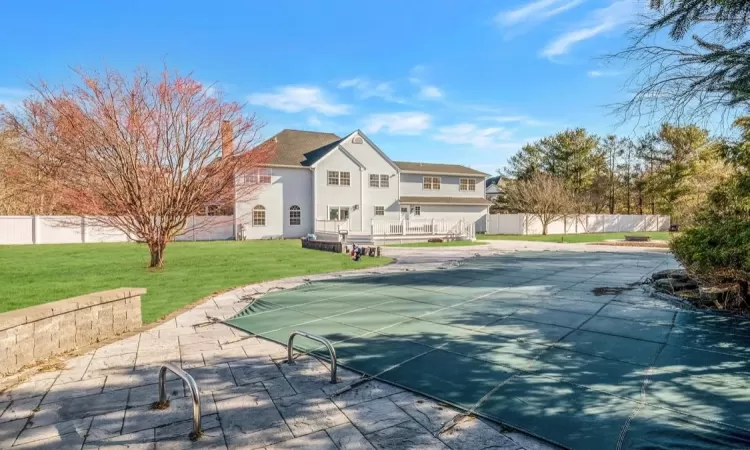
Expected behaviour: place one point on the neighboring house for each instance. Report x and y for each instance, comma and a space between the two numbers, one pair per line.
491, 189
323, 184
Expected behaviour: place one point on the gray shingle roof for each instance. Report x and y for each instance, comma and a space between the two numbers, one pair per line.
304, 148
301, 148
448, 169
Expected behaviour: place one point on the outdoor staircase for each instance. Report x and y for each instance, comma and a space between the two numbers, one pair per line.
359, 238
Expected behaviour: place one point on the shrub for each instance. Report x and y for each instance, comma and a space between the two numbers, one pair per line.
434, 240
717, 253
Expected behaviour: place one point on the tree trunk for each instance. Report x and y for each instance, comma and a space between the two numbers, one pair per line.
157, 254
744, 291
544, 228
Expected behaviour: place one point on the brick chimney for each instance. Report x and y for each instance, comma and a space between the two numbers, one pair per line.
227, 140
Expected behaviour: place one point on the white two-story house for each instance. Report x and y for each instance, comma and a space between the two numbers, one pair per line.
322, 184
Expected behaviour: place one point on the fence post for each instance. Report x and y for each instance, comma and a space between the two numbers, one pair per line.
83, 229
432, 225
372, 227
35, 230
403, 227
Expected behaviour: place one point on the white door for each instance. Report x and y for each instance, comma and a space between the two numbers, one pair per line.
404, 213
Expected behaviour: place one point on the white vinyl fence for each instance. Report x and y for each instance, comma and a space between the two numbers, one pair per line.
584, 223
81, 230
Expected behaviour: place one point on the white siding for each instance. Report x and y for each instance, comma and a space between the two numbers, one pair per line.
288, 187
411, 184
339, 195
451, 213
374, 164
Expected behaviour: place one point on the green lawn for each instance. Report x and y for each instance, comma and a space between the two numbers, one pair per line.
440, 244
34, 274
575, 238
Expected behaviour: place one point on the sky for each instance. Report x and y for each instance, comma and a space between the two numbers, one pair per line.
465, 82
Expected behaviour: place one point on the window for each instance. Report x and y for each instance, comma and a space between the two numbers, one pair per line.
381, 180
259, 216
258, 176
380, 210
467, 184
417, 210
338, 213
431, 183
295, 215
336, 178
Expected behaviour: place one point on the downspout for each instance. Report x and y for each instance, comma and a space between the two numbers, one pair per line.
315, 199
361, 199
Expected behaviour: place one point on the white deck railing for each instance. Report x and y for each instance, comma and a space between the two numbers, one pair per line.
415, 227
331, 226
422, 227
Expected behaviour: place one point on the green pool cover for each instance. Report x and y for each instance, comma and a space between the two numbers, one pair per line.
524, 340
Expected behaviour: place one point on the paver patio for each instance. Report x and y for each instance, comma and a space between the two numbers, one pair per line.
251, 399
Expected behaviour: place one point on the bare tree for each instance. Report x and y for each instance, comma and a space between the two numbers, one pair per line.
543, 196
701, 75
141, 153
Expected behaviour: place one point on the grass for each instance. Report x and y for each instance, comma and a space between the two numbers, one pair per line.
576, 238
440, 244
37, 274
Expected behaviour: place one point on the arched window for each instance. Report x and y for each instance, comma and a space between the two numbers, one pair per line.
259, 216
295, 215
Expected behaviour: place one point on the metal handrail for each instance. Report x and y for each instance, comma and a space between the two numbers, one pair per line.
163, 402
322, 340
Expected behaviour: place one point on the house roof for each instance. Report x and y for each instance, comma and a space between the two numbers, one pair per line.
301, 148
418, 200
491, 181
304, 148
444, 169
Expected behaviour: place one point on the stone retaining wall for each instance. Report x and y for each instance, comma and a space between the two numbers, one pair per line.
33, 334
326, 246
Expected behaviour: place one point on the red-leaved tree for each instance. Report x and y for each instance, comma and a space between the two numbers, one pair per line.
140, 153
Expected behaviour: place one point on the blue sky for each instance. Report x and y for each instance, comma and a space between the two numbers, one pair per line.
428, 80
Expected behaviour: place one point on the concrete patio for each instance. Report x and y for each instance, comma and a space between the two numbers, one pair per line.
250, 398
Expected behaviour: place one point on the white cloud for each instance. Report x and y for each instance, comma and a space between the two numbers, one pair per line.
430, 92
536, 12
470, 134
602, 20
563, 43
314, 121
299, 98
368, 89
426, 91
409, 123
602, 73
